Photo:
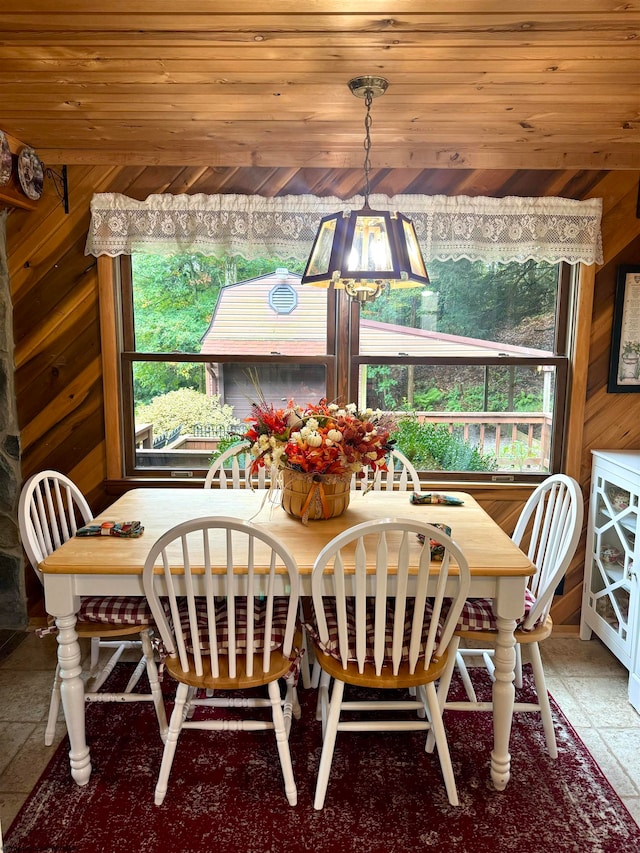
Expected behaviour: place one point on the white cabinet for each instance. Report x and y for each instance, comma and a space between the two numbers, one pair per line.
610, 606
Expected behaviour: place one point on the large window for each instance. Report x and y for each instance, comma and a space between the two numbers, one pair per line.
478, 361
475, 366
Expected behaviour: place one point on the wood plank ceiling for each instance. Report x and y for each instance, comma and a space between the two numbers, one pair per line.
474, 84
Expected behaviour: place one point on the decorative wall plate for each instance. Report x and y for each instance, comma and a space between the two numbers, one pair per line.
5, 160
30, 173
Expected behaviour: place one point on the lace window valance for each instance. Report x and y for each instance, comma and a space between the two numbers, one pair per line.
448, 227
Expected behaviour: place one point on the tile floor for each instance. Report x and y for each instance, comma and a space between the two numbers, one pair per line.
585, 679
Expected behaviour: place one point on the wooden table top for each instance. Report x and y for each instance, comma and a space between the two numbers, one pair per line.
489, 550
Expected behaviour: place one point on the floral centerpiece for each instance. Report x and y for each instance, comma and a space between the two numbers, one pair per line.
318, 448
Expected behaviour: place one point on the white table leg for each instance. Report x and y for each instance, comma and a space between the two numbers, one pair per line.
509, 606
503, 698
72, 693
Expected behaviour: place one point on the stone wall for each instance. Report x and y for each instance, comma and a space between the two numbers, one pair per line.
13, 609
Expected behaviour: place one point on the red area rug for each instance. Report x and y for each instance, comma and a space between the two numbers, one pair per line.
385, 793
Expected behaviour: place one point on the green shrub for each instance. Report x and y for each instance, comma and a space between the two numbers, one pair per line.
525, 402
187, 409
431, 447
428, 401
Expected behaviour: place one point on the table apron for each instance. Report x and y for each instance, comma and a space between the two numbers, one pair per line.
63, 592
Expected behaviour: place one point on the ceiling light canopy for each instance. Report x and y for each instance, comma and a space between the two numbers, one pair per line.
365, 251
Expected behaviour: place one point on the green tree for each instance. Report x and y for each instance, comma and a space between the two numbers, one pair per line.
475, 299
402, 307
174, 298
487, 301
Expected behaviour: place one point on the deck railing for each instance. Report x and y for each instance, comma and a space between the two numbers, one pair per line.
518, 440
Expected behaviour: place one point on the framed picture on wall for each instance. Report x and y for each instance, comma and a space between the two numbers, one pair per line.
624, 368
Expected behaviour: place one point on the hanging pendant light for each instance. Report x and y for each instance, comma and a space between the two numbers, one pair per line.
365, 251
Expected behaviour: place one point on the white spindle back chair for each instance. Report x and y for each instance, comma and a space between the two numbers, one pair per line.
232, 470
401, 475
215, 635
394, 584
549, 528
50, 511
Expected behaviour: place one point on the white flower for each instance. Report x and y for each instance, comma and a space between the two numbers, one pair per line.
305, 432
341, 413
263, 441
334, 435
277, 454
313, 424
333, 407
351, 408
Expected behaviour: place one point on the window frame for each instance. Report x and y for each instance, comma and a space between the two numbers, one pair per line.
561, 365
560, 361
128, 356
342, 368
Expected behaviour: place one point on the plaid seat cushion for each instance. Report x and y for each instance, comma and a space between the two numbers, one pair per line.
278, 625
331, 647
115, 610
477, 614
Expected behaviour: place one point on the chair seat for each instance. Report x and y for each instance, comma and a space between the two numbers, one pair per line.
281, 667
106, 631
386, 680
477, 614
332, 646
540, 632
115, 614
115, 610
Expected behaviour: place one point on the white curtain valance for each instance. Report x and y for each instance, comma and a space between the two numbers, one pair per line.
448, 227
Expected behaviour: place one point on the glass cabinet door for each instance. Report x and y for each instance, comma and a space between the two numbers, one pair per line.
615, 520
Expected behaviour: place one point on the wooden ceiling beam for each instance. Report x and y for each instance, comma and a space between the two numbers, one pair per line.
355, 46
435, 157
416, 123
492, 22
311, 7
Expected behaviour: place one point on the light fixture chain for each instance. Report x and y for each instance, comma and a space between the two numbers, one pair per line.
368, 99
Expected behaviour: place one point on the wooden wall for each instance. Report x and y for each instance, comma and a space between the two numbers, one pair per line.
57, 334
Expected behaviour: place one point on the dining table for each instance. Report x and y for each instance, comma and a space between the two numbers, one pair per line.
109, 565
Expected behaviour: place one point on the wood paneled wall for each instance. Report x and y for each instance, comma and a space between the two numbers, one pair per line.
56, 320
